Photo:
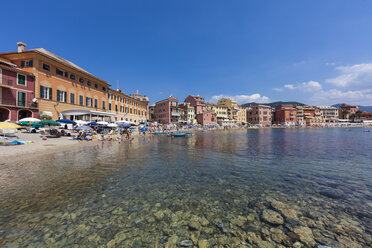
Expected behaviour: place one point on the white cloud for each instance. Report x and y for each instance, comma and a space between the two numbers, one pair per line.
332, 96
355, 75
310, 86
241, 99
278, 89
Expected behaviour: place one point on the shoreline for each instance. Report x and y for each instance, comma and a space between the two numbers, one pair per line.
40, 148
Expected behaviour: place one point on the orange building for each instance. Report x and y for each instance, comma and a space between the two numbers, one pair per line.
132, 108
63, 89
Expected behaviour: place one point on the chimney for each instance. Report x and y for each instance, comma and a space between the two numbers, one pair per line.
21, 47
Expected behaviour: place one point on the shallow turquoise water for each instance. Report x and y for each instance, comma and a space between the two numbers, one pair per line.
158, 192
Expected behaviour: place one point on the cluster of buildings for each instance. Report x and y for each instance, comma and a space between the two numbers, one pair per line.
37, 82
194, 110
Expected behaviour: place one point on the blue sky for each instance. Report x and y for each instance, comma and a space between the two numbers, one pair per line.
316, 52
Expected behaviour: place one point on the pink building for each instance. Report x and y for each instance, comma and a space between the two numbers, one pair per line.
197, 102
167, 111
285, 115
207, 118
17, 91
259, 114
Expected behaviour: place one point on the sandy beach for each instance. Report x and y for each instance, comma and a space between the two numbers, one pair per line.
39, 147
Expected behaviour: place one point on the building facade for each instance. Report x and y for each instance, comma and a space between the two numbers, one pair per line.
197, 102
17, 92
208, 117
126, 107
259, 114
166, 111
62, 89
285, 115
231, 106
347, 111
329, 114
189, 113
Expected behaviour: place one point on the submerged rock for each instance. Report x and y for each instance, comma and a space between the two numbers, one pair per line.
305, 234
284, 209
272, 217
332, 193
186, 243
221, 227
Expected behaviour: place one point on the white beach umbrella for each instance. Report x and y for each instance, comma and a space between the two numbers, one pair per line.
80, 122
105, 123
30, 119
112, 125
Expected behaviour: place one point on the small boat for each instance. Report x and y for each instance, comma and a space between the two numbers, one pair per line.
179, 134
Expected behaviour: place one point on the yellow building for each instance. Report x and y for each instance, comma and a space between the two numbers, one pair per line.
241, 114
132, 108
63, 89
221, 111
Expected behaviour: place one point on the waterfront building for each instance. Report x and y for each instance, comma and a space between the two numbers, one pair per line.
300, 115
260, 114
17, 92
152, 113
197, 102
329, 114
241, 115
208, 117
127, 107
62, 89
346, 111
166, 111
189, 113
312, 116
221, 111
285, 115
231, 106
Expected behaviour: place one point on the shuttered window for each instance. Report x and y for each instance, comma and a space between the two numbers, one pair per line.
21, 99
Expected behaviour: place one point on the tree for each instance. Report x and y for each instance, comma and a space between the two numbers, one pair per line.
45, 117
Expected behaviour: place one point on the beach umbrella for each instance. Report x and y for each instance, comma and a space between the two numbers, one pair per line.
8, 127
112, 125
29, 119
81, 122
92, 123
124, 125
103, 123
85, 128
37, 125
25, 123
50, 123
66, 121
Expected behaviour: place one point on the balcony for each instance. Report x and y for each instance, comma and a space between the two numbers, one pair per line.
6, 84
175, 114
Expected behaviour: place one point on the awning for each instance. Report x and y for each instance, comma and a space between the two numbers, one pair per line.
86, 112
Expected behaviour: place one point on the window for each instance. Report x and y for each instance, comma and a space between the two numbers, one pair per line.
81, 80
103, 104
61, 73
46, 67
88, 101
104, 88
89, 83
72, 76
45, 92
21, 99
61, 96
21, 79
116, 108
96, 86
81, 100
27, 63
95, 103
72, 98
109, 106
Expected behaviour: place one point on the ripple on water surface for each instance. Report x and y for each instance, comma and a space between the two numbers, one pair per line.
256, 188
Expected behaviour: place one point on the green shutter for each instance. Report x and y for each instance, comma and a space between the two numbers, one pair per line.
21, 79
50, 94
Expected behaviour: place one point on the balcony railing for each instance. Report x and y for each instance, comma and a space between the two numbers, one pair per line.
175, 114
6, 83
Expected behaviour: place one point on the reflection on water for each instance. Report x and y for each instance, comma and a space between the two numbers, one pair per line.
255, 188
